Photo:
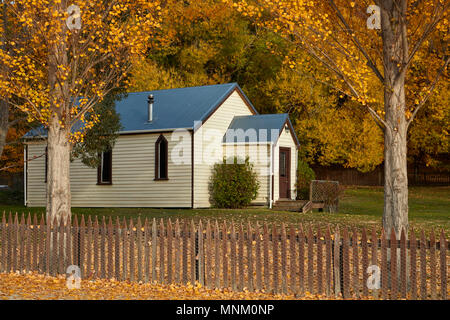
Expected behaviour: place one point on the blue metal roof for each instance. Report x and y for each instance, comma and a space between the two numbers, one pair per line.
41, 132
257, 128
38, 132
172, 109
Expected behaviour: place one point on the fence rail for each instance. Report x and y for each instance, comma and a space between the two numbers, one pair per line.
420, 176
253, 257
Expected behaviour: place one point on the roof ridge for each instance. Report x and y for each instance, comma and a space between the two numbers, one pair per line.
204, 86
262, 114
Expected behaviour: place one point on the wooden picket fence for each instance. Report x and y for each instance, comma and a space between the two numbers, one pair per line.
251, 257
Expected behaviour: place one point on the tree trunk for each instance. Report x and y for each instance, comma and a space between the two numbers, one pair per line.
395, 213
58, 173
4, 105
59, 146
4, 121
395, 49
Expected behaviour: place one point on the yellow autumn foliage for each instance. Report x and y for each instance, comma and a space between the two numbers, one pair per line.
335, 34
52, 71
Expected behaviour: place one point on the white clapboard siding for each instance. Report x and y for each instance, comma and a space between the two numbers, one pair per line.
208, 145
287, 141
259, 156
133, 171
36, 192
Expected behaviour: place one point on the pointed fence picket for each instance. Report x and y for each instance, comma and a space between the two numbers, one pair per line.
443, 264
117, 241
131, 253
125, 247
240, 260
284, 260
192, 252
169, 252
432, 252
89, 243
161, 241
266, 258
413, 276
217, 242
403, 266
301, 263
250, 276
345, 264
328, 262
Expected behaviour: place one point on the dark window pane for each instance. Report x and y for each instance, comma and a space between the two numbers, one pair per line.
106, 166
163, 159
283, 164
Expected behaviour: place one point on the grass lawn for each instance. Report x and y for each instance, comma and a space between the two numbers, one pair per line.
359, 206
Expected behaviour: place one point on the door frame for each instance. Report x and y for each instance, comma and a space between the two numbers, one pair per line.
288, 171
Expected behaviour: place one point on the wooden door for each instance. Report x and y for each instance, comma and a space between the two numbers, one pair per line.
285, 173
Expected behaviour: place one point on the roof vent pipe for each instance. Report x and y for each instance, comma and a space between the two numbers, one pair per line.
150, 107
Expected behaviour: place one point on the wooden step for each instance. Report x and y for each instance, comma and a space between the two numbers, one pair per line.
282, 200
289, 205
290, 202
299, 205
293, 209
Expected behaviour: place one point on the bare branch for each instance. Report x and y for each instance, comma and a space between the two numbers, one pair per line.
19, 165
15, 121
378, 120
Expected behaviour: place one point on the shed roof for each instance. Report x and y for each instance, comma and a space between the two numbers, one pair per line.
261, 128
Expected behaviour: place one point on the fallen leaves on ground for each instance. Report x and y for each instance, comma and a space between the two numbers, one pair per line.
41, 287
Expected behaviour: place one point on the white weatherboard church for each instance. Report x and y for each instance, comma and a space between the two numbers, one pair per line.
169, 143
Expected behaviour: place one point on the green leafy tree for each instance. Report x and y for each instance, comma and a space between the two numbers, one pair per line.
102, 136
304, 176
207, 43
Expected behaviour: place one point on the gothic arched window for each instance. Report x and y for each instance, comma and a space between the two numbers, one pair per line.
161, 158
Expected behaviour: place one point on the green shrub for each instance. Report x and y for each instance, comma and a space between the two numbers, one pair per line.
233, 184
304, 176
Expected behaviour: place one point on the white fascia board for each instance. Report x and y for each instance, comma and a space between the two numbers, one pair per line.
152, 131
245, 143
120, 132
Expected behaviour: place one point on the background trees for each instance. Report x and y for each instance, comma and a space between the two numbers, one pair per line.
377, 69
207, 42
